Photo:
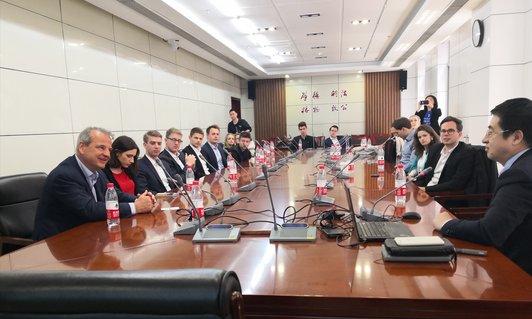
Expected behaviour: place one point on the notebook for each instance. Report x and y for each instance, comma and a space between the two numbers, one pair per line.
375, 231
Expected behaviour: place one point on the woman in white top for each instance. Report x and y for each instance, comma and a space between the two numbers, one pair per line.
425, 137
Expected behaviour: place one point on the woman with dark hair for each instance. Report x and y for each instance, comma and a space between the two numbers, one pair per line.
424, 138
122, 166
429, 113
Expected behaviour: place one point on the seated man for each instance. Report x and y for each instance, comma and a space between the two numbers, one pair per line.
213, 150
194, 148
333, 138
241, 151
403, 129
153, 174
307, 141
170, 155
507, 224
74, 192
451, 160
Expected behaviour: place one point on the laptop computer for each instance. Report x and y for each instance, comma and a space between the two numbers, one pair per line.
375, 231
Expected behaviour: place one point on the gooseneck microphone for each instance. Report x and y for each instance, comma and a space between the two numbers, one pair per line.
193, 226
168, 176
265, 172
327, 200
369, 215
248, 187
233, 198
289, 149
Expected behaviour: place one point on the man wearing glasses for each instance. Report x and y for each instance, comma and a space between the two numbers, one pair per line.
170, 155
451, 160
507, 224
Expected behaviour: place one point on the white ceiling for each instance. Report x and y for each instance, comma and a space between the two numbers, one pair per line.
399, 32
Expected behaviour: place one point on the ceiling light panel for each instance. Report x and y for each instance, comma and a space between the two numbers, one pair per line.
228, 8
244, 25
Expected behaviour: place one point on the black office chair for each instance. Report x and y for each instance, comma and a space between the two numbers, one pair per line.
19, 196
179, 293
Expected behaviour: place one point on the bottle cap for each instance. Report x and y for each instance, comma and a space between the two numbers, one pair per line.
195, 182
110, 185
321, 166
189, 166
400, 166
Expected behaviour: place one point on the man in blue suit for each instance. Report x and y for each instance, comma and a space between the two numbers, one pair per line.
74, 192
213, 150
153, 174
507, 224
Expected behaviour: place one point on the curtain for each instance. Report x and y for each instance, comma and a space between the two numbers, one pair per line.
270, 109
383, 101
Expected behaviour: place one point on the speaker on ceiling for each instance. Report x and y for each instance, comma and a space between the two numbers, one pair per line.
402, 80
251, 90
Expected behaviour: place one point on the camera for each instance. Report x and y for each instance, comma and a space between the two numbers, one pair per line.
424, 102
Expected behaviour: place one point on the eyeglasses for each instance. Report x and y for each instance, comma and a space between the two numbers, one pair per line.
449, 131
175, 140
490, 132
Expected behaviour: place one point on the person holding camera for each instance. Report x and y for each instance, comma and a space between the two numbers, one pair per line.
429, 113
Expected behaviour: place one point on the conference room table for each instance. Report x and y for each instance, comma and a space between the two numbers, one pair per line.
321, 279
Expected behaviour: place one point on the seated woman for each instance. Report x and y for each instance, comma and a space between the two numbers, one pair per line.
121, 169
230, 141
425, 137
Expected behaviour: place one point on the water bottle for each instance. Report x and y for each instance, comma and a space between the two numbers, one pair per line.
272, 153
232, 167
321, 181
380, 159
400, 193
267, 155
368, 142
380, 181
337, 151
259, 155
189, 178
348, 143
111, 205
299, 145
197, 200
364, 142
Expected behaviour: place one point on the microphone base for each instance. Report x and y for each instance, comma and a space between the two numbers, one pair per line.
323, 200
247, 188
273, 168
261, 177
188, 228
336, 168
217, 235
231, 200
369, 216
293, 232
343, 176
214, 209
330, 161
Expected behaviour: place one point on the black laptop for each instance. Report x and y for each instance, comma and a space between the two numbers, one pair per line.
375, 231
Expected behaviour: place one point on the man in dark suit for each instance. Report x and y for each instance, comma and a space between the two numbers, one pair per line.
307, 141
153, 174
241, 152
333, 138
194, 148
74, 192
213, 150
507, 224
170, 155
451, 161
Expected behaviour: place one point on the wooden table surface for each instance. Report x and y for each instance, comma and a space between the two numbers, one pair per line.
299, 280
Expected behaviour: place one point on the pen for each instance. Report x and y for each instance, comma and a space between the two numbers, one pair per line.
474, 252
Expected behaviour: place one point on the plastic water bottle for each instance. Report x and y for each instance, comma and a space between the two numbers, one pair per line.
321, 181
337, 151
232, 167
189, 176
364, 142
380, 181
380, 159
299, 145
348, 143
111, 205
272, 153
197, 199
368, 142
259, 155
400, 193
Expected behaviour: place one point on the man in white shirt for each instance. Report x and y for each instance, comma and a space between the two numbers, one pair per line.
153, 175
170, 155
194, 148
333, 138
451, 160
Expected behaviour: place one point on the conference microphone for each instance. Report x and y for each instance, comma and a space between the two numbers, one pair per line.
335, 167
189, 228
168, 176
289, 149
248, 187
233, 198
287, 231
320, 199
369, 215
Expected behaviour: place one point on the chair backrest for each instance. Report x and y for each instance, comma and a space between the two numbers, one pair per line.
19, 196
319, 141
179, 293
485, 174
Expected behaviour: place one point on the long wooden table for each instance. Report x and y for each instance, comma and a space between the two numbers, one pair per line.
301, 280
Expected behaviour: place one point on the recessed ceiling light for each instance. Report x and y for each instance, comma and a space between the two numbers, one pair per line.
267, 29
312, 34
360, 71
309, 15
228, 8
244, 25
318, 47
355, 49
286, 76
286, 53
277, 59
357, 22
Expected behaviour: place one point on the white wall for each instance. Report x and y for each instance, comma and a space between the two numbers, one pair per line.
65, 65
348, 113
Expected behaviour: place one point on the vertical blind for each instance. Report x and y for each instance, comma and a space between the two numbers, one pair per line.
270, 108
383, 101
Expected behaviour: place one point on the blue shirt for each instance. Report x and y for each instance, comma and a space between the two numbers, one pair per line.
408, 156
426, 118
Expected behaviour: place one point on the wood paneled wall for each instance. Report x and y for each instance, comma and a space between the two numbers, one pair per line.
270, 108
383, 101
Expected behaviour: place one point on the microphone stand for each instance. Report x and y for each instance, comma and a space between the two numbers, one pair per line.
370, 216
233, 198
192, 227
248, 187
324, 200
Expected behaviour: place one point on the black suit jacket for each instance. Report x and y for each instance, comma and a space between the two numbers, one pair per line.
148, 179
209, 155
328, 142
308, 142
129, 172
67, 200
507, 224
173, 166
198, 167
456, 172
